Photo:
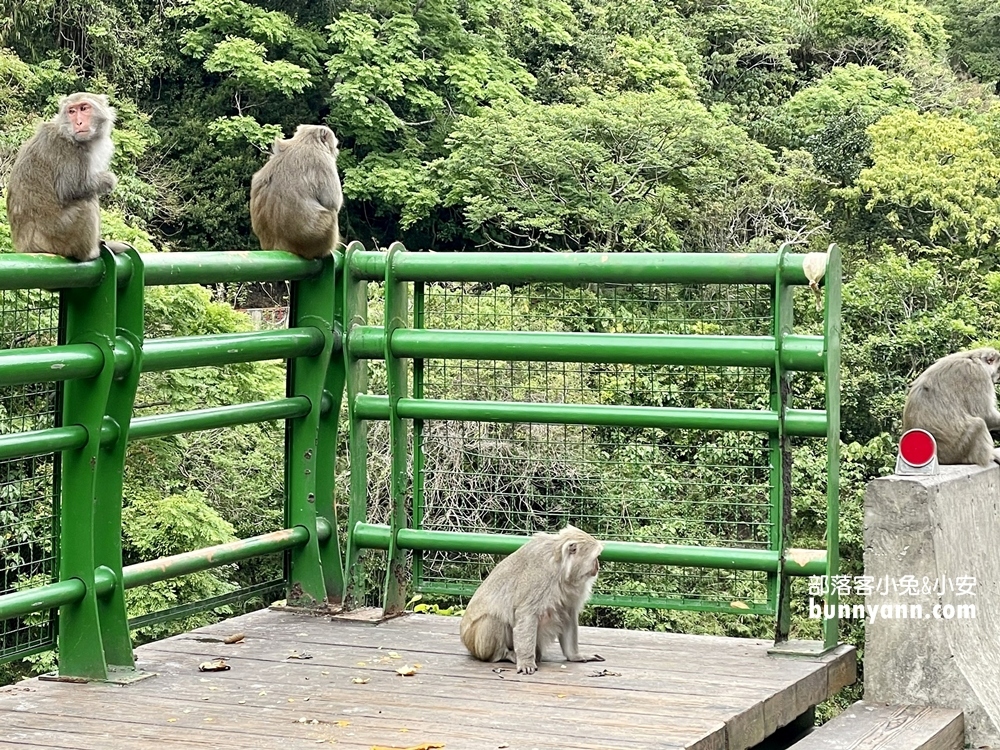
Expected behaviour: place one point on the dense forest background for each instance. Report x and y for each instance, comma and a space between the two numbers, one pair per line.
640, 126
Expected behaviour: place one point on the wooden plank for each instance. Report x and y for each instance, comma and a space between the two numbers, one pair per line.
648, 691
878, 726
666, 691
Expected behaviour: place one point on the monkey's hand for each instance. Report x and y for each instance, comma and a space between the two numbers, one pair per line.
526, 667
584, 659
106, 182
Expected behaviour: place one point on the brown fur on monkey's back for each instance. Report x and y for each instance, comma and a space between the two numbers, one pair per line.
281, 217
77, 234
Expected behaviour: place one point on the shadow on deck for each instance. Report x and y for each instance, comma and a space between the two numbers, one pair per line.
299, 681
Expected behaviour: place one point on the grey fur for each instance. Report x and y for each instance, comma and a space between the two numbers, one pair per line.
955, 400
57, 180
295, 199
534, 594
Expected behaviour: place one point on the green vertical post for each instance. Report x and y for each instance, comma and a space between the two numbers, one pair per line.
418, 436
779, 584
831, 334
88, 317
394, 596
326, 447
356, 369
110, 469
311, 305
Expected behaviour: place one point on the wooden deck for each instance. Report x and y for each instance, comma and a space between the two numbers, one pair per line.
301, 681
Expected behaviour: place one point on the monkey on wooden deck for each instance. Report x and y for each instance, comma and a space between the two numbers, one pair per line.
532, 596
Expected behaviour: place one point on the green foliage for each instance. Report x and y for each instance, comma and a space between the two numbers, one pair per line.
901, 314
617, 173
155, 526
850, 90
973, 27
935, 178
899, 31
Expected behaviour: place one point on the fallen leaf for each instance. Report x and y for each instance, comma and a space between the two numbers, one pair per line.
298, 655
216, 665
406, 671
605, 673
343, 723
424, 746
361, 680
394, 655
234, 638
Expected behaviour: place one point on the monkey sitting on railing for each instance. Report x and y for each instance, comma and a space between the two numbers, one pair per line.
58, 176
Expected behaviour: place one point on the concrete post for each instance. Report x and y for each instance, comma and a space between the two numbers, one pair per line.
944, 531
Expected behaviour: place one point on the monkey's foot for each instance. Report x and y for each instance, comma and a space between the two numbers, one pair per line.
583, 659
115, 246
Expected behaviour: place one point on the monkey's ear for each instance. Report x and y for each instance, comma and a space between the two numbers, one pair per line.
569, 548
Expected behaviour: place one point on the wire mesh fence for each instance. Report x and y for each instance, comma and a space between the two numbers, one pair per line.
29, 506
694, 487
205, 488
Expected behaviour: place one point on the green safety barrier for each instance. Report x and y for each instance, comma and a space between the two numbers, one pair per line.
329, 346
98, 366
406, 348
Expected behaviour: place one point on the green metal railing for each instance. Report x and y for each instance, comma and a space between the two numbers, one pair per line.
398, 344
330, 347
102, 353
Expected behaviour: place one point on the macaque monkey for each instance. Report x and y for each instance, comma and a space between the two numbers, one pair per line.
955, 400
59, 175
296, 197
532, 595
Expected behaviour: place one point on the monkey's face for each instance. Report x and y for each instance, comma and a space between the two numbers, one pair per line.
80, 116
990, 359
580, 558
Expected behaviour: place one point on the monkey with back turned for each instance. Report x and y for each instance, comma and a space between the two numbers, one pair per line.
295, 199
58, 177
956, 401
532, 596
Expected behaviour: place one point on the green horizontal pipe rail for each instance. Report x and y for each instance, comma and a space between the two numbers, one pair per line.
49, 364
630, 348
40, 442
30, 271
801, 423
810, 562
232, 266
164, 568
582, 268
68, 592
160, 425
225, 349
42, 598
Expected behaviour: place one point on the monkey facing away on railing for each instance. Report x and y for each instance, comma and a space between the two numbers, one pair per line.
955, 400
532, 596
58, 177
295, 199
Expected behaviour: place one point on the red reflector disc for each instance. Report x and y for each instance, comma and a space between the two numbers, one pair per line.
917, 447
